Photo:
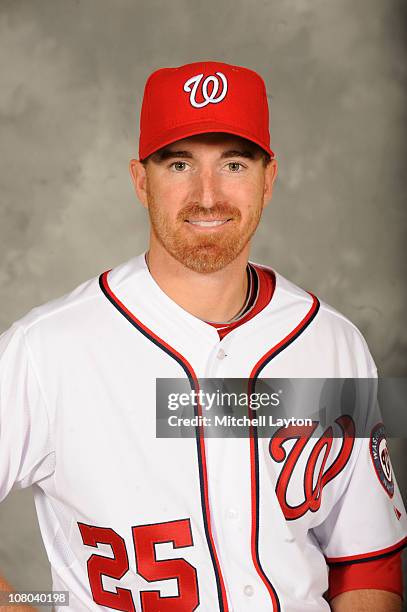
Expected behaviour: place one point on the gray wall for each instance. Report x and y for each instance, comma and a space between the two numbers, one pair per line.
72, 76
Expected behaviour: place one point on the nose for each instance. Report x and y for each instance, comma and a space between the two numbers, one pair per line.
206, 191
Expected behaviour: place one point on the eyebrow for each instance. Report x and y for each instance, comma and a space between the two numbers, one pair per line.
166, 154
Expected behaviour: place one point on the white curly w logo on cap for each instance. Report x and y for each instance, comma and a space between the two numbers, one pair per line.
193, 83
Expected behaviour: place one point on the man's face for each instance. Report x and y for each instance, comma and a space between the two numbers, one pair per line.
205, 196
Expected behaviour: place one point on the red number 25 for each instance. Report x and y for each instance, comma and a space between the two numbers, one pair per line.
148, 566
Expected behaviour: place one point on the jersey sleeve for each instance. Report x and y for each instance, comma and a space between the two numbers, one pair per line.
384, 574
26, 449
369, 519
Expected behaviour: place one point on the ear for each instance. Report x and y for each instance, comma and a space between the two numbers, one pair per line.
139, 177
270, 175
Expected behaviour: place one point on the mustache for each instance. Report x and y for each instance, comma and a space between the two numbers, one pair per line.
218, 211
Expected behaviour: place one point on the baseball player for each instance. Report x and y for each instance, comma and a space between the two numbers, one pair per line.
134, 522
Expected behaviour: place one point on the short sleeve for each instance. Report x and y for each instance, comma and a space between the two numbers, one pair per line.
384, 574
369, 519
26, 450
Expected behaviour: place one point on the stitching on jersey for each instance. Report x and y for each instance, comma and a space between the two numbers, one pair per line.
40, 386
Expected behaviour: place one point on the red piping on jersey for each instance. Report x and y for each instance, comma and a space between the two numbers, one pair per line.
302, 325
376, 554
120, 304
254, 454
200, 437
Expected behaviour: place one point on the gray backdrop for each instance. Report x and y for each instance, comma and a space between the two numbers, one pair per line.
72, 76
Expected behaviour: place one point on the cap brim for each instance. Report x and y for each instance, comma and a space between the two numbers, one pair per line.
203, 127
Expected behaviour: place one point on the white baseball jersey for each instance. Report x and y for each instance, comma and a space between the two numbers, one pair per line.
139, 523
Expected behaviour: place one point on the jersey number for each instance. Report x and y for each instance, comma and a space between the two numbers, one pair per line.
145, 537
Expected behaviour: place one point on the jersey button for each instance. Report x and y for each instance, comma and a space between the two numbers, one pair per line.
221, 354
248, 590
232, 513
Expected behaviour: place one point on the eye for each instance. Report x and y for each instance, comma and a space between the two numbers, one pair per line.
178, 166
235, 166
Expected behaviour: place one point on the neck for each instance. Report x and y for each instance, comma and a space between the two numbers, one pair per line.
217, 296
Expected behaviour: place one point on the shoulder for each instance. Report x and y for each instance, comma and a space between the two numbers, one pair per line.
327, 331
76, 309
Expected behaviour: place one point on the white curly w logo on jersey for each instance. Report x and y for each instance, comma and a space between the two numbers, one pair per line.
193, 83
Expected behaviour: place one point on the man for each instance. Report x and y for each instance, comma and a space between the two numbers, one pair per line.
132, 521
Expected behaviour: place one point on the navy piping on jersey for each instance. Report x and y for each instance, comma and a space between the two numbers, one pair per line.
373, 556
265, 359
254, 446
200, 443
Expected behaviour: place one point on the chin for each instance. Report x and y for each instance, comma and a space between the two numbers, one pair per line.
206, 259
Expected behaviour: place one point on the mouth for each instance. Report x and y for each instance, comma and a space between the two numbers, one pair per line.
210, 224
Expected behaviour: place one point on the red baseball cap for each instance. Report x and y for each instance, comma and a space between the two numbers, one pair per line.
203, 97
